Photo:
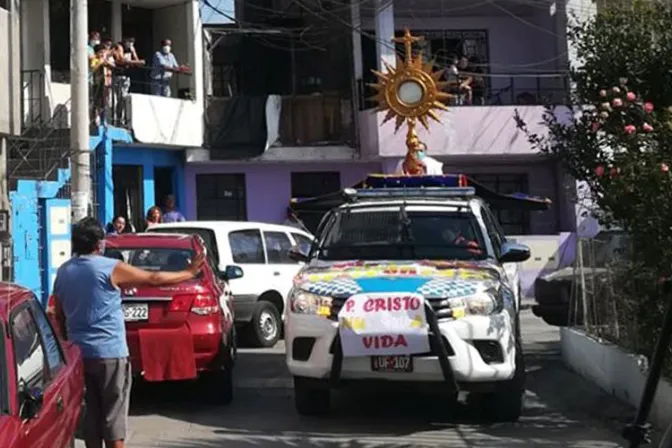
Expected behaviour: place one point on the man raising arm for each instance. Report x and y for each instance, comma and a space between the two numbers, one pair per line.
87, 308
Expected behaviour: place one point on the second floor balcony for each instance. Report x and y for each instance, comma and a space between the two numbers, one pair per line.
172, 117
482, 124
242, 126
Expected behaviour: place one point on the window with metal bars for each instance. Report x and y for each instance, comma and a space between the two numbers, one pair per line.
221, 197
512, 221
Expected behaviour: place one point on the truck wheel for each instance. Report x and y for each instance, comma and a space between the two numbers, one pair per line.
311, 397
266, 325
506, 403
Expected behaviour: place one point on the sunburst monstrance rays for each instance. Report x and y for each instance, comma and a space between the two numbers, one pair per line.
412, 90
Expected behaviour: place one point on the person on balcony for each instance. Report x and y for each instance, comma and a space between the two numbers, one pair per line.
101, 72
125, 57
164, 65
466, 80
94, 39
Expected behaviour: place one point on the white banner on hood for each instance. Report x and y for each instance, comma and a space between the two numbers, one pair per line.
384, 324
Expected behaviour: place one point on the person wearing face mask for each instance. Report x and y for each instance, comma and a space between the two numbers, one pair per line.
431, 166
164, 65
94, 40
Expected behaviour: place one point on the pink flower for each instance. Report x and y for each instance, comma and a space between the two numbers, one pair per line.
646, 127
664, 168
630, 129
616, 90
617, 102
648, 108
603, 93
599, 171
595, 126
630, 96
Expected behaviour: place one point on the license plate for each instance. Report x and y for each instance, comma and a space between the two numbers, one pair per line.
392, 363
136, 312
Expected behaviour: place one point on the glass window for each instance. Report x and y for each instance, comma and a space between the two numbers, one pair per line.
277, 248
208, 236
153, 259
221, 197
492, 231
28, 351
303, 242
51, 344
381, 234
246, 247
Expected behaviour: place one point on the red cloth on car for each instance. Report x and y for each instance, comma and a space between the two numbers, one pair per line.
167, 354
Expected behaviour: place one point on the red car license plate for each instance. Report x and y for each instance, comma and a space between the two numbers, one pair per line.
392, 363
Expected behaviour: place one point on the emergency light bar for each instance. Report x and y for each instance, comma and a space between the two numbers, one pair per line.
431, 192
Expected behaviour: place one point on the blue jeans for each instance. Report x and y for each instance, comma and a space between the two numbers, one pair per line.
160, 88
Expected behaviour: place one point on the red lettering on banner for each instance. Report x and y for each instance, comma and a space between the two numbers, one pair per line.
385, 341
349, 305
405, 303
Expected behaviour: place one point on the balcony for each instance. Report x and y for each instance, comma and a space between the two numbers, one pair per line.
164, 116
297, 121
475, 130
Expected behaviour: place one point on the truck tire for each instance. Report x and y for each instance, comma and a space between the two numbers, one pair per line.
506, 402
311, 397
266, 325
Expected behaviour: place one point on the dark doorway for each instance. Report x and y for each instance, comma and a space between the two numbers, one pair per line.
221, 197
163, 184
128, 192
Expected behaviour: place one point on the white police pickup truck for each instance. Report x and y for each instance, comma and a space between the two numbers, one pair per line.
412, 285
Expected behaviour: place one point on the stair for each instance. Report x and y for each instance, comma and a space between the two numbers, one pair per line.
37, 154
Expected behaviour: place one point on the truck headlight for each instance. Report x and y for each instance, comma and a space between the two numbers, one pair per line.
479, 304
302, 302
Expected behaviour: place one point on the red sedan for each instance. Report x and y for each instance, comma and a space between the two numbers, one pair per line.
41, 376
179, 332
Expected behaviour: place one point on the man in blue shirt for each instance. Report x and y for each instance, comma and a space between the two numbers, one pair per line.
164, 65
87, 309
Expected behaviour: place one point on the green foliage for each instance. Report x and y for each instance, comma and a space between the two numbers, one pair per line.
617, 137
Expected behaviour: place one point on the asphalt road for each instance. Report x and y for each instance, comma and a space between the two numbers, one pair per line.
562, 410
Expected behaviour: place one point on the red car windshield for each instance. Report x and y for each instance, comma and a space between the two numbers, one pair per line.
154, 258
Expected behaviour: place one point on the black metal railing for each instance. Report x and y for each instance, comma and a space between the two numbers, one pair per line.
111, 89
518, 89
320, 119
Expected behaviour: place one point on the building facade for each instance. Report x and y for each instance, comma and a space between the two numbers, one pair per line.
137, 138
285, 101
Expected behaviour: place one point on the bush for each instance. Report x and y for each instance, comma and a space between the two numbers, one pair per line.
617, 137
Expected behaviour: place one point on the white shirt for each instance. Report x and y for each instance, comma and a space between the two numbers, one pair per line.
432, 167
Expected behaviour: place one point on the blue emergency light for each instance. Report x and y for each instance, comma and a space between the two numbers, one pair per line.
352, 194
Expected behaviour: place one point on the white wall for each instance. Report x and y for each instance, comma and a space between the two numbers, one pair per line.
10, 74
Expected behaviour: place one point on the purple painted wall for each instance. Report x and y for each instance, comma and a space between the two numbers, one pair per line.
269, 185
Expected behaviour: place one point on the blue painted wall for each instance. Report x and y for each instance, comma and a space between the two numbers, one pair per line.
30, 201
150, 158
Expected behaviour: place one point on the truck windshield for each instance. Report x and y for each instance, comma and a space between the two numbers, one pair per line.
403, 234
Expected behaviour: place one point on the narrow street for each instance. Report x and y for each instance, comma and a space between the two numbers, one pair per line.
563, 410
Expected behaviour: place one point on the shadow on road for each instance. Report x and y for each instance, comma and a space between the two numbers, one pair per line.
561, 411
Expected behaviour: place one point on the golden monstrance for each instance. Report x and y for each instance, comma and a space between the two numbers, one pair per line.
410, 92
